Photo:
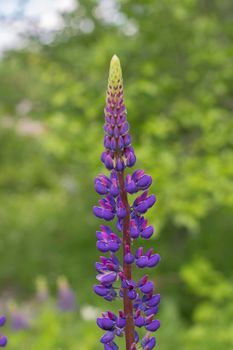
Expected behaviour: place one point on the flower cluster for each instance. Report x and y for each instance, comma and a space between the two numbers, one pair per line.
117, 142
115, 278
3, 338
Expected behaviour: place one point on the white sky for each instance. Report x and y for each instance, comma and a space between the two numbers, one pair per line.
19, 16
45, 14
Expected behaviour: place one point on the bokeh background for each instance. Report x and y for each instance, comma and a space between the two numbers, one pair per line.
178, 73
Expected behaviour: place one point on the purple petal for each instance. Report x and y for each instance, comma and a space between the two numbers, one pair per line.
131, 159
114, 190
147, 288
129, 258
153, 326
3, 340
108, 162
107, 337
101, 189
2, 320
113, 144
124, 128
151, 200
151, 311
107, 215
132, 294
98, 212
139, 321
136, 336
111, 346
131, 187
120, 165
121, 322
113, 246
121, 212
101, 290
147, 232
142, 261
144, 182
107, 277
105, 323
121, 143
154, 300
127, 140
102, 246
142, 207
154, 260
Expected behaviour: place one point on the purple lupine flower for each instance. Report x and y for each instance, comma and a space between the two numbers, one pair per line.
107, 240
66, 296
19, 318
3, 338
148, 342
114, 275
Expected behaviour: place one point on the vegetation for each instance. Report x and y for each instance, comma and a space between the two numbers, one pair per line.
178, 78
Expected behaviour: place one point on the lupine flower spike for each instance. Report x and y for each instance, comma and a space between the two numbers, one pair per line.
114, 277
3, 338
66, 296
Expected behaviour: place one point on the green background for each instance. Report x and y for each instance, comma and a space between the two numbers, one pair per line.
178, 79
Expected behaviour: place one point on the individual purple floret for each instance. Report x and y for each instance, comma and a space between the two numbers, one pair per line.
3, 338
105, 185
107, 241
146, 260
137, 181
114, 274
148, 342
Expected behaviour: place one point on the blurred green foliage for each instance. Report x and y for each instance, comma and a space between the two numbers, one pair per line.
178, 74
213, 316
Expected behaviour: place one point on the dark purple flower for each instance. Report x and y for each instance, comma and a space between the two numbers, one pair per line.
107, 337
147, 260
139, 320
111, 346
137, 181
3, 338
3, 341
139, 227
152, 325
105, 185
143, 202
107, 277
107, 208
2, 320
115, 278
107, 240
148, 342
128, 258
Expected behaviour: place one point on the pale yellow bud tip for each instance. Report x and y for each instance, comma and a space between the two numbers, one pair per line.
115, 73
115, 58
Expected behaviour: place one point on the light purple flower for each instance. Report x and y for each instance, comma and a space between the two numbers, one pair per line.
66, 296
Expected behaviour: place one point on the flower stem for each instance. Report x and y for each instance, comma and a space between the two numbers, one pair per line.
128, 305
